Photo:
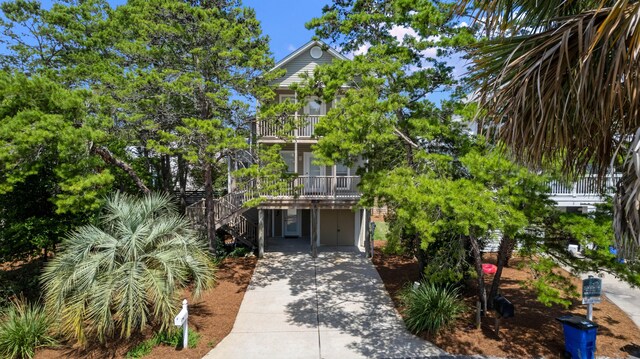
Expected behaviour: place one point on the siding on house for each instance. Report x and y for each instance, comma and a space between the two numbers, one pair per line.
301, 64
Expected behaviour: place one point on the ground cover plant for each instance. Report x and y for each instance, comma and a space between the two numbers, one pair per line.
171, 338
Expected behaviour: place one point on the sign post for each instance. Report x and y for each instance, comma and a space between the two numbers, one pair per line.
591, 291
181, 321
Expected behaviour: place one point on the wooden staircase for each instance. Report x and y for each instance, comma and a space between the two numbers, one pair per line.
229, 215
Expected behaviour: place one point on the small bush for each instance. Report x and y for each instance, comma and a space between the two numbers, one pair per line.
24, 327
172, 338
431, 308
240, 252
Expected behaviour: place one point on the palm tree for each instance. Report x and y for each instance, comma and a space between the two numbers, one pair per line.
127, 274
562, 78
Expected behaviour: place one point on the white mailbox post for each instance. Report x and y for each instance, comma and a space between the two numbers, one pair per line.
181, 320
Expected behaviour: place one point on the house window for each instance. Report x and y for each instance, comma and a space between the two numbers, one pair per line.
314, 107
288, 98
342, 173
289, 159
341, 170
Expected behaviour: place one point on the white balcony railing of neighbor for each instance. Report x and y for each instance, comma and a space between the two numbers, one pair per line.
274, 129
585, 189
316, 187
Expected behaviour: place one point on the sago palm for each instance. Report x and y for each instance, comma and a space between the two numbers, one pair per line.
126, 274
561, 77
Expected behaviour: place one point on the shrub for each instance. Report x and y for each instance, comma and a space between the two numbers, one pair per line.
431, 308
24, 328
125, 275
240, 252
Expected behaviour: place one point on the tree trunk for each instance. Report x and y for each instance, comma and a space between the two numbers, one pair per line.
167, 181
506, 246
475, 248
209, 210
420, 255
509, 252
182, 180
108, 157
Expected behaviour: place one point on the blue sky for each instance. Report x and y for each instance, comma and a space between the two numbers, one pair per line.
283, 21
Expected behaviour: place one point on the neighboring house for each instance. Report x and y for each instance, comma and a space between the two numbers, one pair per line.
582, 195
319, 203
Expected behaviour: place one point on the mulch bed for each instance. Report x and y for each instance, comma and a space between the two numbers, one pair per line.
533, 332
212, 315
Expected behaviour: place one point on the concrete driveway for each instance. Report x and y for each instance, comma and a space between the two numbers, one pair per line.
334, 306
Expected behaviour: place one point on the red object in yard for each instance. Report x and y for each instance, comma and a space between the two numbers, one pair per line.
489, 268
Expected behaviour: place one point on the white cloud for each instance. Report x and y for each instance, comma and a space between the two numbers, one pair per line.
399, 32
291, 48
362, 49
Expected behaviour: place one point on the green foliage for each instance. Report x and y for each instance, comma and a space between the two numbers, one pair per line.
431, 308
126, 274
171, 338
551, 286
240, 252
392, 241
47, 130
382, 229
24, 328
446, 261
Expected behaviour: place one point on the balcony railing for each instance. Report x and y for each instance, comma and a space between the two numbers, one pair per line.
273, 129
585, 190
315, 187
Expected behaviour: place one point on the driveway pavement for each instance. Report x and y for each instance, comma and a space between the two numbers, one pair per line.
334, 306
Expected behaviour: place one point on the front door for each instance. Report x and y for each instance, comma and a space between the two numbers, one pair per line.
314, 176
291, 223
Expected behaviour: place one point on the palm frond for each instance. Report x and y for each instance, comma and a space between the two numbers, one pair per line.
568, 91
119, 278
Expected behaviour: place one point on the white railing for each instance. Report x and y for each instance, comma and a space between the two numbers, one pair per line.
315, 187
306, 129
586, 190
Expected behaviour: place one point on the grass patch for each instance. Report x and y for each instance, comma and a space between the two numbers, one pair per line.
380, 234
173, 339
24, 327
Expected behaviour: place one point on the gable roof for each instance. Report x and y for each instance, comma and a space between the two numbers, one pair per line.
305, 47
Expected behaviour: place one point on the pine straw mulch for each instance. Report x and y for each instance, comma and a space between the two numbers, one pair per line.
533, 332
212, 316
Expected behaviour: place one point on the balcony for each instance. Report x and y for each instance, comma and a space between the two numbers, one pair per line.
268, 129
584, 191
317, 187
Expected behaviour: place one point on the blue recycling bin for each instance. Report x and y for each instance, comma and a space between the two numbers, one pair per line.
579, 336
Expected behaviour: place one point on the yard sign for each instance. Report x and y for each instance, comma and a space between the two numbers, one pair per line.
591, 291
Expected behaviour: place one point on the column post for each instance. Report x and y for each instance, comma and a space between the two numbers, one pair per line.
314, 229
368, 236
260, 233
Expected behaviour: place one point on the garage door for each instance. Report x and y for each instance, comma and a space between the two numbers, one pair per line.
337, 227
